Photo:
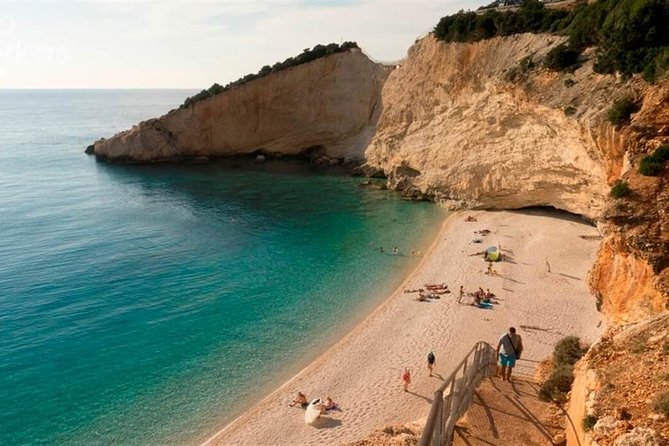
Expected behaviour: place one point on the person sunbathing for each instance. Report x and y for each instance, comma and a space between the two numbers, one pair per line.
436, 286
421, 297
330, 405
300, 400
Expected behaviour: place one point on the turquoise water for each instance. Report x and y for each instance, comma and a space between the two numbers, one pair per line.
149, 304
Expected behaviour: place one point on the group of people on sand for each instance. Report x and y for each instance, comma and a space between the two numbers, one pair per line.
434, 291
430, 291
302, 401
479, 296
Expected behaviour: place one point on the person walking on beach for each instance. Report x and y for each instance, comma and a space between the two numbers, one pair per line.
462, 293
509, 348
406, 379
430, 361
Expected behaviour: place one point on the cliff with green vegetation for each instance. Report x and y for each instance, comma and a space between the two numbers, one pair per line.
324, 102
526, 107
567, 108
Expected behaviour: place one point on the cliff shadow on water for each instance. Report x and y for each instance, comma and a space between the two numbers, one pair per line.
200, 287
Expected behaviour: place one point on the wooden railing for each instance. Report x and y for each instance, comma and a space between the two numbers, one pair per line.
452, 399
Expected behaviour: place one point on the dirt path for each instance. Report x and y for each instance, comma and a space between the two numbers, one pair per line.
508, 414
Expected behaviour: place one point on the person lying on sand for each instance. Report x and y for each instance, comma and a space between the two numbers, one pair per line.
436, 286
421, 297
330, 405
483, 232
470, 218
300, 400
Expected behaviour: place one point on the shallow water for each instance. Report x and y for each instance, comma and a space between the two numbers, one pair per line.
148, 304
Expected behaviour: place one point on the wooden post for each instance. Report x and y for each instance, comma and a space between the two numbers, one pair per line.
427, 439
438, 427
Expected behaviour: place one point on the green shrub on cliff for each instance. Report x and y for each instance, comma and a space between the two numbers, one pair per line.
661, 154
651, 165
306, 56
557, 385
567, 351
468, 26
621, 110
561, 58
588, 422
555, 388
620, 189
632, 36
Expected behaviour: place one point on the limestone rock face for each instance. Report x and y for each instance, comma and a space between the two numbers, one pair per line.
464, 123
639, 436
329, 105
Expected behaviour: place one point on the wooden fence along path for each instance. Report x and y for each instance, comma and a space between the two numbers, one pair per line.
452, 399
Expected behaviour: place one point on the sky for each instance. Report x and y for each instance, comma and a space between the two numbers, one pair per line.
192, 44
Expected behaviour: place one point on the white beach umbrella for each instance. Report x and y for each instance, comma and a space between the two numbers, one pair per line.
313, 411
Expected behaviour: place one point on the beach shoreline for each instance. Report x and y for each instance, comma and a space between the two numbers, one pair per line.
365, 363
347, 330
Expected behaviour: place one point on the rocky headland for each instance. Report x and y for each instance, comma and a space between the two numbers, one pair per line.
468, 125
328, 107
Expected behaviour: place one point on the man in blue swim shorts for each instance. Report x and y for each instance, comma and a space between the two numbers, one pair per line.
509, 348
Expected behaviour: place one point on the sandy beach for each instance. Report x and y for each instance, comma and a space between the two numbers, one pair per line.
362, 372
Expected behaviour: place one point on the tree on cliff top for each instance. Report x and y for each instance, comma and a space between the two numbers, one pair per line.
306, 56
632, 36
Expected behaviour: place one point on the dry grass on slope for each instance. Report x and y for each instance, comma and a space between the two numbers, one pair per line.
633, 372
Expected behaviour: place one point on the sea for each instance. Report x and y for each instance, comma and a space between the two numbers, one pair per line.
151, 304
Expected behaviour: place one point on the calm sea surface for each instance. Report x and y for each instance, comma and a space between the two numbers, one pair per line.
149, 304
